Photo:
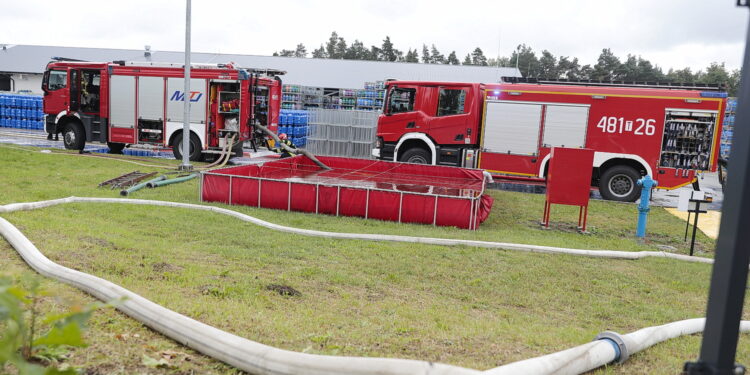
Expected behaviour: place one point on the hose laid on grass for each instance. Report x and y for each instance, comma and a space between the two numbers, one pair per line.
364, 236
608, 347
262, 359
242, 353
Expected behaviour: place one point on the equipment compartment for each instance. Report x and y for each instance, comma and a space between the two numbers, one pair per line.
688, 136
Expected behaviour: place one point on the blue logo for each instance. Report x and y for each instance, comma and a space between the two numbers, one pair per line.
179, 96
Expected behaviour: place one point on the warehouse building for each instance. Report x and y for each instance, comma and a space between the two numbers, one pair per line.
22, 66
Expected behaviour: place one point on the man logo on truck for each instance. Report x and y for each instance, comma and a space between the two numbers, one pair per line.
178, 96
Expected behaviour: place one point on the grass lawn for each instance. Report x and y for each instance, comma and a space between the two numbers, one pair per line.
471, 307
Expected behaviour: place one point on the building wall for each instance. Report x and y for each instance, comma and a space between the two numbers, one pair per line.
30, 82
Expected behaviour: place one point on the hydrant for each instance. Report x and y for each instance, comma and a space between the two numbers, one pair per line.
646, 184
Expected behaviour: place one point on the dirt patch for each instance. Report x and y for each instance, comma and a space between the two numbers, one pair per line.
284, 290
99, 242
165, 267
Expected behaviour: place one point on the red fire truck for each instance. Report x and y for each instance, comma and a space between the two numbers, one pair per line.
670, 132
123, 103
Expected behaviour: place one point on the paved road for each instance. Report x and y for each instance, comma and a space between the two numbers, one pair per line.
709, 182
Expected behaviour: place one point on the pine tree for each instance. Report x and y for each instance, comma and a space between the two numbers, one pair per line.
331, 46
467, 60
425, 54
478, 58
436, 57
452, 59
319, 53
412, 56
388, 53
301, 51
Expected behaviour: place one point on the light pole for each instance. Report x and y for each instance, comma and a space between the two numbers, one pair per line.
185, 166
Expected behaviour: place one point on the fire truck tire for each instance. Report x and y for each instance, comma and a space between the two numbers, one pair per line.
195, 147
115, 148
74, 137
416, 156
619, 183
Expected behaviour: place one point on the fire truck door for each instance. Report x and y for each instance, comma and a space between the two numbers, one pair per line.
75, 89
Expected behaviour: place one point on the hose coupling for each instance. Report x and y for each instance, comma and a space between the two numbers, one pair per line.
618, 342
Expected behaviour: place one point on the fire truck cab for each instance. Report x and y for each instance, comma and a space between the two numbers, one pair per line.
668, 132
123, 103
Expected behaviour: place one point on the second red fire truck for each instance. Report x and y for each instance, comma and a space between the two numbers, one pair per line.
668, 132
122, 103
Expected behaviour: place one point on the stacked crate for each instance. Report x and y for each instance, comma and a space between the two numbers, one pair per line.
21, 112
728, 128
293, 123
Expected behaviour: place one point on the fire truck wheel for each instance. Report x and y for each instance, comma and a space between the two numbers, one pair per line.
195, 147
416, 156
619, 183
115, 148
73, 136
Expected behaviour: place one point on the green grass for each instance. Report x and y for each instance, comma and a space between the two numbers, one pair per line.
465, 306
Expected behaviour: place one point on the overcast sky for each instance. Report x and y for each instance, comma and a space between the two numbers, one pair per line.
670, 33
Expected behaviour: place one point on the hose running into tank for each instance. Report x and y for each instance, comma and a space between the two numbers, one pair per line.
257, 358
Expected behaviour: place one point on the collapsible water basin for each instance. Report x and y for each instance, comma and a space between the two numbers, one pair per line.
408, 193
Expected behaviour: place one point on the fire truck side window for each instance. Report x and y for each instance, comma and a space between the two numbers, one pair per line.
57, 80
401, 100
451, 102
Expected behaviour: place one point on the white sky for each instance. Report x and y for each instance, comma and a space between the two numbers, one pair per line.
670, 33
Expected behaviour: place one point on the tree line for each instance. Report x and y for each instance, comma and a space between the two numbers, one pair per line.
608, 66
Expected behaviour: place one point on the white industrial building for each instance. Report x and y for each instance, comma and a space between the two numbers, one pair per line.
22, 66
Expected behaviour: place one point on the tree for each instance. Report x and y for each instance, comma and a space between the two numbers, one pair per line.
412, 56
425, 54
284, 53
681, 75
319, 53
734, 82
608, 67
568, 69
525, 58
452, 59
715, 73
467, 59
500, 61
340, 49
375, 54
387, 52
436, 57
548, 67
357, 51
331, 46
477, 57
300, 51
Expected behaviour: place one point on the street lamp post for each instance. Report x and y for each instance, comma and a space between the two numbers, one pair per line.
185, 166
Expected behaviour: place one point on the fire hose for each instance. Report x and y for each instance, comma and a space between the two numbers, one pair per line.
608, 347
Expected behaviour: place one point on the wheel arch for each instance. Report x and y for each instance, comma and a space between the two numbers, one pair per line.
642, 168
178, 132
411, 140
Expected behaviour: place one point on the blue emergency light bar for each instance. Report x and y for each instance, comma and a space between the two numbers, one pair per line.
709, 94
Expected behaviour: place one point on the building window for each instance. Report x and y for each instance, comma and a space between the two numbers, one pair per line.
451, 102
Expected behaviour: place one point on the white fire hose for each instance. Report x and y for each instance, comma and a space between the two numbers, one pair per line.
257, 358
